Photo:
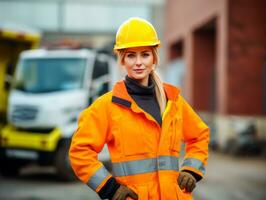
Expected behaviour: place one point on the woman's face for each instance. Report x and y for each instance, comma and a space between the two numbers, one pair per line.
139, 62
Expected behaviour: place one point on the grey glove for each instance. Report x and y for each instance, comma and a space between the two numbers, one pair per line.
186, 181
123, 192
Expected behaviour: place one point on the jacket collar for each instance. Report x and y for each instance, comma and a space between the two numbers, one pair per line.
171, 91
121, 96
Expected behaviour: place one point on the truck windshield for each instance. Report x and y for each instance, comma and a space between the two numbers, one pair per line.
48, 75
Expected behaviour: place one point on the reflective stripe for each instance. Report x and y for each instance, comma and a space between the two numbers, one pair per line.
97, 178
168, 163
145, 166
195, 163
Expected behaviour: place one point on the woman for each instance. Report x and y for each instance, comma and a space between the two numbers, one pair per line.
143, 123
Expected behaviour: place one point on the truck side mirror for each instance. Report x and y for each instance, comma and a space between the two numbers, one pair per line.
8, 76
8, 81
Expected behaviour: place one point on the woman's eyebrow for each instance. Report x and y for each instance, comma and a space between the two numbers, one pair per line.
146, 51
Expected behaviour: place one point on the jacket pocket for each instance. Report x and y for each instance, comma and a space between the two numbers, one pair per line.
181, 195
141, 191
168, 191
176, 134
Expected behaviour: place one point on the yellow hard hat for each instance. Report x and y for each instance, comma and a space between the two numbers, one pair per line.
136, 32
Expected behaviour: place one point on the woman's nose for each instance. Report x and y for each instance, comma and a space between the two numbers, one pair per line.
138, 62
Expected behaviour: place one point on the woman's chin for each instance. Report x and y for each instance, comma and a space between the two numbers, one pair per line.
139, 76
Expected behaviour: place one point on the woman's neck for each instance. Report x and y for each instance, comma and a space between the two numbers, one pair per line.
134, 87
143, 82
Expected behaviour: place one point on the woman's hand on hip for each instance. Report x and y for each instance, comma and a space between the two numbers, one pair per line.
123, 192
186, 181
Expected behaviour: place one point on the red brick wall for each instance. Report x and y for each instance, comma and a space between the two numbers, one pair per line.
182, 16
246, 56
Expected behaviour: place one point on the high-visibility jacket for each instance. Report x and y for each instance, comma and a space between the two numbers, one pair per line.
144, 155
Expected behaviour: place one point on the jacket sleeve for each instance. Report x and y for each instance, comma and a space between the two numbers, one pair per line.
196, 137
87, 142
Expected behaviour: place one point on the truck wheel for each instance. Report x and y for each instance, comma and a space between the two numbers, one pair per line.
62, 164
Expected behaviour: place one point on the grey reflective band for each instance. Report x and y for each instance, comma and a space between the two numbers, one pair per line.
168, 163
97, 178
145, 166
195, 163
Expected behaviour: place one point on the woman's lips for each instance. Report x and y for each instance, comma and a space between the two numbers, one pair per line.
138, 70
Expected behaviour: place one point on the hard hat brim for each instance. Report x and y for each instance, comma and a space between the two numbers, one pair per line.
136, 44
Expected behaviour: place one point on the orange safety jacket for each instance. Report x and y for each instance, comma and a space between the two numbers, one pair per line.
144, 155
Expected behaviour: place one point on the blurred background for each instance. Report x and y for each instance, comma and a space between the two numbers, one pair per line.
56, 58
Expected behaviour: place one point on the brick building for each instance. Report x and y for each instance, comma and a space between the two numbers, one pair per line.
223, 46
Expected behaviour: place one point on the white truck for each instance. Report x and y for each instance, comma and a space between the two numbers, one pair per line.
50, 89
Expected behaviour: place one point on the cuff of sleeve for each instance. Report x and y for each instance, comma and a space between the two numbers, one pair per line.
194, 165
109, 189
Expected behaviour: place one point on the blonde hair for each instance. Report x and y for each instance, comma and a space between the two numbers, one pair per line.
159, 90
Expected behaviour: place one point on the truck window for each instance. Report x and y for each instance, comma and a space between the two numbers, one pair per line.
100, 68
48, 75
100, 77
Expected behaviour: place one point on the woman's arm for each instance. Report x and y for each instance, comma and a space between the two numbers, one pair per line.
87, 142
196, 137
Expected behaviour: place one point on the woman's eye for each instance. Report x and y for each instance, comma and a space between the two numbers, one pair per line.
130, 55
146, 55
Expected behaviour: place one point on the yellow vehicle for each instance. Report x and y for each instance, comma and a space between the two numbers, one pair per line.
13, 40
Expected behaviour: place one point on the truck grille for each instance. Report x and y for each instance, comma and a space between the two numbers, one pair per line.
23, 113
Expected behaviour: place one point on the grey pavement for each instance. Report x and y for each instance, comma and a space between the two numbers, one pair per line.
227, 178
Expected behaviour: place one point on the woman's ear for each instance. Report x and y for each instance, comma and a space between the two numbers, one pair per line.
122, 64
154, 61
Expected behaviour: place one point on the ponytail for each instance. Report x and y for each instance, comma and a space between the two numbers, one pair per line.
159, 90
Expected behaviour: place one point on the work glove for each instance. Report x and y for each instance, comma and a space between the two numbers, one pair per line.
123, 192
186, 181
